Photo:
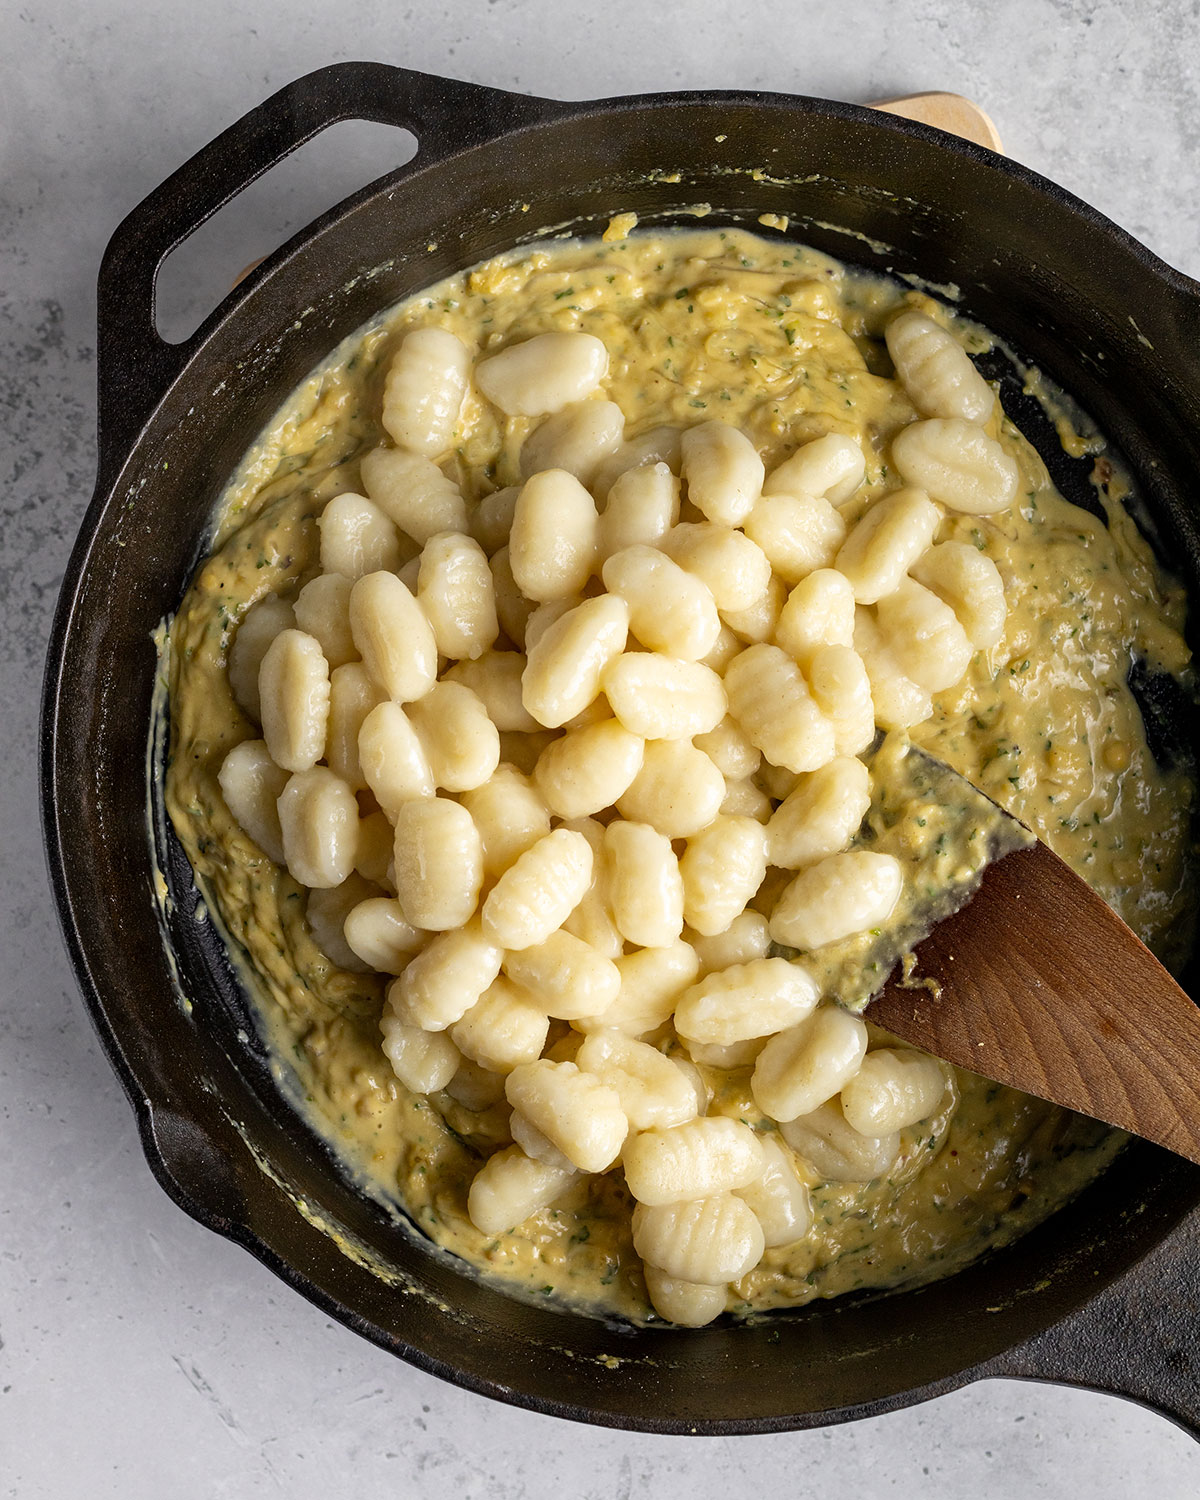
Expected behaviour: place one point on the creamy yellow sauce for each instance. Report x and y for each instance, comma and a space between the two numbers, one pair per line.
784, 343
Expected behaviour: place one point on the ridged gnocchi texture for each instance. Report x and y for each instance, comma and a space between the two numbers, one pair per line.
424, 391
936, 370
563, 757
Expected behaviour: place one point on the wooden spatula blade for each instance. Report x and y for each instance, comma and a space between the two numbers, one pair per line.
1041, 986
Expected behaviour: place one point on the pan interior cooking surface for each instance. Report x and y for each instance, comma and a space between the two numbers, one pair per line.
787, 347
1075, 296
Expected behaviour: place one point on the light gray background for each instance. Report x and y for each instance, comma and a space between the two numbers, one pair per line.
141, 1356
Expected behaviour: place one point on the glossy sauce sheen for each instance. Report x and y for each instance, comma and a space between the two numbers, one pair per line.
785, 343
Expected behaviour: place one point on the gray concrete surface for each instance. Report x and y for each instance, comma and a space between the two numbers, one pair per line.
140, 1356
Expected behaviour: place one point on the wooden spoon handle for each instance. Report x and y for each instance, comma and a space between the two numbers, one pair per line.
949, 112
1041, 986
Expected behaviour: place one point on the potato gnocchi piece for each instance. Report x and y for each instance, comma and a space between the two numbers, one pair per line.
510, 816
259, 626
424, 391
819, 612
512, 608
326, 911
456, 591
376, 933
760, 620
542, 374
769, 698
564, 669
293, 686
898, 701
461, 744
780, 1202
746, 1000
658, 445
495, 679
438, 863
352, 696
533, 1142
723, 471
393, 636
746, 938
539, 890
566, 976
554, 537
886, 542
587, 769
578, 438
678, 790
503, 1029
830, 467
733, 568
730, 1055
652, 979
393, 759
592, 920
477, 1089
894, 1088
697, 1159
492, 518
374, 860
707, 1240
510, 1188
655, 1091
323, 611
936, 370
777, 781
318, 818
446, 978
722, 867
797, 534
729, 750
642, 506
970, 584
573, 1109
839, 895
670, 610
744, 798
423, 1061
841, 687
956, 462
663, 697
835, 1150
807, 1064
686, 1303
548, 613
357, 537
821, 815
929, 645
252, 784
645, 886
413, 493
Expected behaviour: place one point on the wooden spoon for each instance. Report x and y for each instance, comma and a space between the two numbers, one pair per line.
949, 112
1040, 985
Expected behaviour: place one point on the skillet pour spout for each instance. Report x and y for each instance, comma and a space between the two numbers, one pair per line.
1105, 1292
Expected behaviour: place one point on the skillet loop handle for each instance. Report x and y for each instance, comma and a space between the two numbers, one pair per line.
1137, 1339
136, 366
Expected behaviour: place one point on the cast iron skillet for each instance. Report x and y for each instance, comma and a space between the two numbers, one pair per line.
1105, 1293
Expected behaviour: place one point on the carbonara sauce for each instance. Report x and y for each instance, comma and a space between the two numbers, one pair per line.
784, 343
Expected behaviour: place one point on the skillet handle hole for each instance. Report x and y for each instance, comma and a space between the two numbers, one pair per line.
198, 274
